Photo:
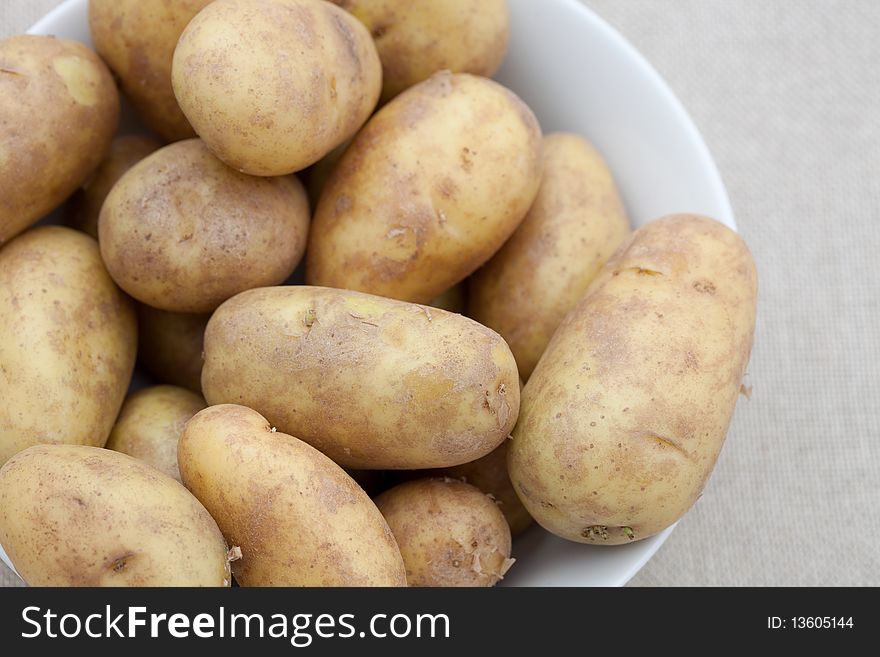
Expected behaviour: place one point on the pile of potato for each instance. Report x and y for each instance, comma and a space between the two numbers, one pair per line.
453, 252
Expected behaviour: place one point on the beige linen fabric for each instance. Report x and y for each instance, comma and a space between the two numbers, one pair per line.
787, 96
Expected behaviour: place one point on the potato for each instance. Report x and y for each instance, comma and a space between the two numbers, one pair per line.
417, 39
454, 299
373, 383
449, 533
171, 345
67, 342
59, 112
489, 474
73, 515
272, 86
84, 207
150, 424
137, 39
183, 232
428, 191
625, 415
575, 224
298, 518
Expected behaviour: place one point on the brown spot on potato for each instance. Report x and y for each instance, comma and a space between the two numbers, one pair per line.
595, 532
118, 564
640, 271
704, 286
447, 188
467, 159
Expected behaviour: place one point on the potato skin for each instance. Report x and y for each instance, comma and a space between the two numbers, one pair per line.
272, 86
137, 39
150, 424
84, 207
428, 191
417, 39
371, 382
626, 413
541, 272
55, 133
489, 474
298, 518
449, 533
73, 515
183, 232
170, 345
68, 340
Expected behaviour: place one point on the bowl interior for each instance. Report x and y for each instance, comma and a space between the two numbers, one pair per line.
578, 75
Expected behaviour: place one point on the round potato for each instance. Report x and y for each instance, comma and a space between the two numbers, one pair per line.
183, 232
625, 415
428, 191
72, 515
59, 112
417, 39
298, 518
171, 345
371, 382
489, 474
272, 86
449, 533
84, 207
573, 227
137, 39
68, 340
150, 424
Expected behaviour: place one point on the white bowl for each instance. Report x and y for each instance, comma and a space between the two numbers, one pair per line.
578, 75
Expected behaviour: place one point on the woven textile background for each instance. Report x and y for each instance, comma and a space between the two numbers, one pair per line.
787, 96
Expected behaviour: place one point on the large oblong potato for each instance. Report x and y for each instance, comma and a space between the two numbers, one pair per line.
297, 517
73, 515
58, 113
150, 423
449, 533
371, 382
573, 227
417, 39
137, 39
183, 232
84, 207
428, 191
170, 345
272, 86
625, 415
68, 340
